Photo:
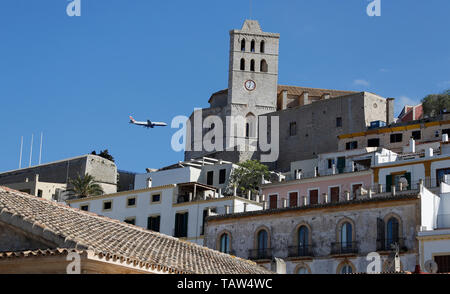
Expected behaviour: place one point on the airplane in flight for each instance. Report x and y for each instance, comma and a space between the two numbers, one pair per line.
147, 124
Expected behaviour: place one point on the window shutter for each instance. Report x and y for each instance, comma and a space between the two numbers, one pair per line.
149, 223
388, 183
185, 224
408, 178
395, 231
380, 233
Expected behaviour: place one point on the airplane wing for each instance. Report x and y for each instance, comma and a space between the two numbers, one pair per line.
159, 124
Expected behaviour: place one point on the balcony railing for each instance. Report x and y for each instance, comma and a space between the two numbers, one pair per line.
258, 254
300, 251
344, 247
389, 244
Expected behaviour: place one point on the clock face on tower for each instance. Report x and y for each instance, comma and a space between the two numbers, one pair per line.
250, 85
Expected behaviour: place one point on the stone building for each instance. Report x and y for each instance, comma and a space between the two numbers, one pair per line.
37, 236
60, 172
310, 119
328, 237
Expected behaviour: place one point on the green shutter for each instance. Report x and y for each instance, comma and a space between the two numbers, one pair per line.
408, 178
388, 183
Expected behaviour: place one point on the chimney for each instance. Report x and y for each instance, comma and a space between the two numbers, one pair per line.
305, 98
444, 137
278, 266
429, 152
326, 96
284, 99
36, 178
412, 145
389, 111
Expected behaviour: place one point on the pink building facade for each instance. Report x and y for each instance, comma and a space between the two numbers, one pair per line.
332, 188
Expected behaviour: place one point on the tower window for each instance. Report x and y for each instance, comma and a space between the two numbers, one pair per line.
252, 46
264, 66
242, 64
262, 47
243, 45
252, 65
247, 130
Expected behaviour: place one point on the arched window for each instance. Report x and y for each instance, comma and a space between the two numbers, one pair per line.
242, 64
224, 243
346, 269
264, 67
303, 240
252, 46
250, 126
262, 240
247, 130
252, 65
392, 232
243, 45
346, 235
262, 47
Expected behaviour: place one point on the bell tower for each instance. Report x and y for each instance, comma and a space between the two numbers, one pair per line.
253, 69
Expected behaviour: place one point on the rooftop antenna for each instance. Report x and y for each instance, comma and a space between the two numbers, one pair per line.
31, 150
40, 150
20, 158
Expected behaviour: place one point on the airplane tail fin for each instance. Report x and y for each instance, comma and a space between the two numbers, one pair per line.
132, 119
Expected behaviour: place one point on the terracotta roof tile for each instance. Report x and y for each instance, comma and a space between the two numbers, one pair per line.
69, 226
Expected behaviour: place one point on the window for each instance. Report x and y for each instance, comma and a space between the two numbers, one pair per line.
247, 130
392, 232
313, 196
107, 205
243, 45
293, 199
416, 135
396, 179
224, 243
334, 191
130, 220
330, 163
302, 271
252, 46
355, 189
252, 65
242, 64
181, 224
39, 195
443, 262
131, 202
210, 177
262, 240
156, 198
346, 269
440, 173
396, 138
264, 67
303, 237
84, 207
351, 145
346, 235
292, 129
373, 142
338, 122
222, 176
153, 223
262, 47
273, 199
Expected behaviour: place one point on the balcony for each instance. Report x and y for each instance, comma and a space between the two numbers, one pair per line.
389, 244
300, 251
340, 248
259, 254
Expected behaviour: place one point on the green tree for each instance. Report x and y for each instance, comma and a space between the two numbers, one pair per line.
85, 186
248, 176
435, 104
105, 154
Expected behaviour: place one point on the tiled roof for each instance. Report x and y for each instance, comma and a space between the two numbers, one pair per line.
298, 91
315, 92
72, 228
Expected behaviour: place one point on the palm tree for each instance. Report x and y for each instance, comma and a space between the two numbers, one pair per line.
85, 186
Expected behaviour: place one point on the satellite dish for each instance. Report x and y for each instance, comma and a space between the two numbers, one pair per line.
431, 266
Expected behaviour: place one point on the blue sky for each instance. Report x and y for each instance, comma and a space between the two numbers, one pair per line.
76, 79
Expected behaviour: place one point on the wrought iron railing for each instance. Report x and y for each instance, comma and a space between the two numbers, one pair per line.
389, 244
300, 251
344, 247
258, 254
